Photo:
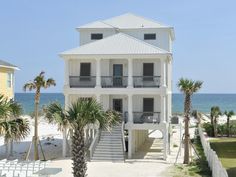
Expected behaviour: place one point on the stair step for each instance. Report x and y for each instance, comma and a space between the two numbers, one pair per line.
108, 155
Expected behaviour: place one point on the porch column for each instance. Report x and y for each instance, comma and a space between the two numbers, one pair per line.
98, 98
130, 108
130, 144
130, 72
163, 73
98, 73
64, 132
66, 74
165, 138
163, 108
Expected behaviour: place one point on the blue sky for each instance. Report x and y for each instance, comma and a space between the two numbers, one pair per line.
33, 33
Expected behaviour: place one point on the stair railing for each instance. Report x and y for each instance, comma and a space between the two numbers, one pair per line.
123, 137
94, 143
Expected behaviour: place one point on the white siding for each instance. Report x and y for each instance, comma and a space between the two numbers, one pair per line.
85, 35
162, 41
138, 66
74, 67
138, 102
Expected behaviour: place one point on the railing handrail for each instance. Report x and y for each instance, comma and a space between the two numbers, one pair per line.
145, 112
146, 76
114, 76
94, 143
123, 137
82, 76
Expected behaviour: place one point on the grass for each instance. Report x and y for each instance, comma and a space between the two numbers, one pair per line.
197, 168
226, 151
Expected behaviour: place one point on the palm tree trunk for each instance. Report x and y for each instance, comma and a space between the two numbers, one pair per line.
187, 104
215, 127
78, 153
228, 130
36, 153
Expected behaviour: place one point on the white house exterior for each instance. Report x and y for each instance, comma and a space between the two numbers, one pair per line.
125, 62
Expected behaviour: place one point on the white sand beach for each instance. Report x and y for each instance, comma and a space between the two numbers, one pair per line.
150, 165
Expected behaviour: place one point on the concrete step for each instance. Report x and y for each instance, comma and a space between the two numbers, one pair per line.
98, 153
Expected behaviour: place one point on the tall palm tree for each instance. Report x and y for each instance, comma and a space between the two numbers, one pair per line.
188, 88
56, 114
228, 114
37, 84
215, 113
12, 128
79, 114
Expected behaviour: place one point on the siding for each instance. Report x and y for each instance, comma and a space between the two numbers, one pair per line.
4, 89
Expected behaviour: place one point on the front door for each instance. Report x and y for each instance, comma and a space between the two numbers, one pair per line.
117, 75
117, 105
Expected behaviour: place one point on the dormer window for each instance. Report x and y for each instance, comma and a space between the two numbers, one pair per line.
96, 36
150, 36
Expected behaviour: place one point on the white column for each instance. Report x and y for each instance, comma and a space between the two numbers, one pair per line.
66, 74
98, 73
130, 144
163, 108
163, 73
98, 98
165, 143
130, 73
130, 108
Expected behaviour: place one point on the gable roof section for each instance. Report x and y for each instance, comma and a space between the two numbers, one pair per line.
7, 65
97, 24
125, 21
118, 44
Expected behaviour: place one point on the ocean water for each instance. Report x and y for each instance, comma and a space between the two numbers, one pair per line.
200, 102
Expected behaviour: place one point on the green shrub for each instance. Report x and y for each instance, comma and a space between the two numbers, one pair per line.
208, 128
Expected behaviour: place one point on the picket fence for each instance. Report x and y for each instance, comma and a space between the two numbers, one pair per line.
213, 161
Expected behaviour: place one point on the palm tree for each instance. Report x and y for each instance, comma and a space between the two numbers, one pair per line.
81, 113
188, 87
228, 114
12, 128
55, 114
215, 113
37, 84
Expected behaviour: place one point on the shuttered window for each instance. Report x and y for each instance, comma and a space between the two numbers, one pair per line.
150, 36
96, 36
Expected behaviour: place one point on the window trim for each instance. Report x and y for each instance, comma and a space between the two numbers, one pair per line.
149, 36
93, 36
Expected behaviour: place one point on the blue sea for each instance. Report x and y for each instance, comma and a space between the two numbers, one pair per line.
200, 102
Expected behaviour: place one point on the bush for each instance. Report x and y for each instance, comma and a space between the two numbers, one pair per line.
208, 128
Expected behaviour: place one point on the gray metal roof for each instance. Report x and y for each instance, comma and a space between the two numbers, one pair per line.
7, 65
121, 44
125, 21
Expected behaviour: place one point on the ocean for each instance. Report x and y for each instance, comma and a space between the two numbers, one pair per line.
200, 102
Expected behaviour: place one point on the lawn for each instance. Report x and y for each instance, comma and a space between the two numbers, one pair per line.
226, 151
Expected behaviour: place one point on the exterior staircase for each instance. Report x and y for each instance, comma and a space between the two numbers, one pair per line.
110, 146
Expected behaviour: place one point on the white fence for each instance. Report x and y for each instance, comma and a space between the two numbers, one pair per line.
213, 161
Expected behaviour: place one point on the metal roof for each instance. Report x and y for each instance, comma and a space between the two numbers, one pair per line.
120, 43
7, 65
125, 21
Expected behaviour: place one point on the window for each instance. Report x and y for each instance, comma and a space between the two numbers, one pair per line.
85, 70
148, 104
96, 36
148, 71
9, 80
150, 36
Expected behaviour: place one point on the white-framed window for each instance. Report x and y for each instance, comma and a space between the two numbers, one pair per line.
9, 80
96, 36
150, 36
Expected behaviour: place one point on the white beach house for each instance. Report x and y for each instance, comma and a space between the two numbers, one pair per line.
125, 62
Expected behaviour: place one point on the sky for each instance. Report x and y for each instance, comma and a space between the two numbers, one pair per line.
34, 32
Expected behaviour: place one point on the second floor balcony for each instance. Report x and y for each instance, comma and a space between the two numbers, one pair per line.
114, 81
82, 81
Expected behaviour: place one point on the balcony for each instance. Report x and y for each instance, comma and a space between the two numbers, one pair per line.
82, 81
146, 117
146, 81
114, 81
